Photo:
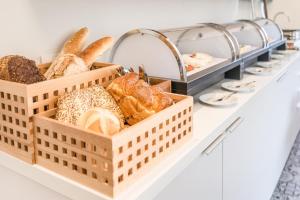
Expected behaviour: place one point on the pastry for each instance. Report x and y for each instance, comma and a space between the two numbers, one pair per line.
19, 69
72, 106
101, 121
68, 55
136, 98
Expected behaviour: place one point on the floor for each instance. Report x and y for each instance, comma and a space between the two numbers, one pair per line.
288, 187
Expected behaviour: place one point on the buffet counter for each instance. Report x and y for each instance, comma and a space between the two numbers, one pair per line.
211, 128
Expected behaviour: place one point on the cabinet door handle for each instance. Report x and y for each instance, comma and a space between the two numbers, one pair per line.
282, 76
214, 144
236, 123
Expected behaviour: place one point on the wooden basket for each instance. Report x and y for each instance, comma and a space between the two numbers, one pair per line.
108, 164
19, 102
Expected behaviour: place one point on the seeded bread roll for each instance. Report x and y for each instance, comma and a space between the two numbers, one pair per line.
19, 69
96, 49
74, 106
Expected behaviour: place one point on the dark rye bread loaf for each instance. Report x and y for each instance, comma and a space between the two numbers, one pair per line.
19, 69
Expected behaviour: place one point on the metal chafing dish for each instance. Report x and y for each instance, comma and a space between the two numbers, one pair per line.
256, 39
192, 57
273, 33
249, 36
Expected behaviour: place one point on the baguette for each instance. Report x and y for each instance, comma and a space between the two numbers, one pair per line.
71, 48
74, 44
97, 48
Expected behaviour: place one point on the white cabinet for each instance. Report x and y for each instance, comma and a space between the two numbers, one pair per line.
202, 179
16, 186
255, 153
248, 162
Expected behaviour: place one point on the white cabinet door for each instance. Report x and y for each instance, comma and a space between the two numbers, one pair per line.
288, 122
255, 153
247, 165
202, 179
289, 96
14, 186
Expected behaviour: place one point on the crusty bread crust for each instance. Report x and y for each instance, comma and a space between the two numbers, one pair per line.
75, 43
71, 47
96, 49
136, 98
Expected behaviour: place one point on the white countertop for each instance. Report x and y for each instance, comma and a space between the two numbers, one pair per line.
208, 125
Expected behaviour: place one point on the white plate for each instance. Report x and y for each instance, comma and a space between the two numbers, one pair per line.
277, 56
239, 86
269, 64
211, 99
214, 62
259, 71
286, 52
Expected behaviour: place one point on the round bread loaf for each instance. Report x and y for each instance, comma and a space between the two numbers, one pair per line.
19, 69
101, 121
72, 106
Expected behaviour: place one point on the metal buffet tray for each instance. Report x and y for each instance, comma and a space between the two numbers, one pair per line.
256, 33
162, 52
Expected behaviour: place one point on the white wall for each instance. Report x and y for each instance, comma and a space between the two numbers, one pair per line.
37, 27
291, 8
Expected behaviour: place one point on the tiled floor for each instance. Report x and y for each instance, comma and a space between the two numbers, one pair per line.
288, 187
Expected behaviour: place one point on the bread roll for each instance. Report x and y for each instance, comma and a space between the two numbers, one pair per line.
136, 98
70, 61
75, 43
68, 56
66, 65
100, 120
96, 49
72, 106
19, 69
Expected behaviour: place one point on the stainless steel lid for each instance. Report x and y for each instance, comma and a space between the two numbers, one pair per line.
161, 52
